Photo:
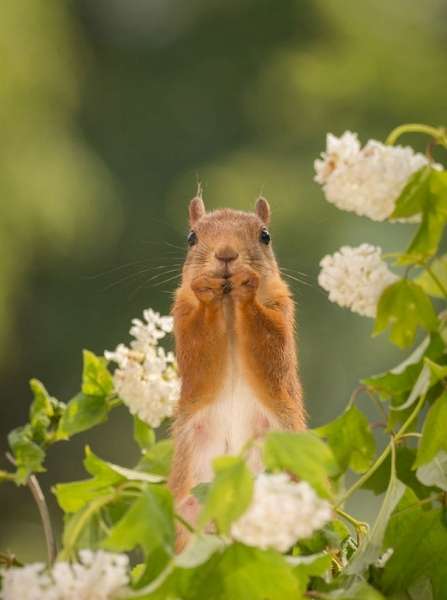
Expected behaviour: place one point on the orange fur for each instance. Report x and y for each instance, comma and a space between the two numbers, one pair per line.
231, 302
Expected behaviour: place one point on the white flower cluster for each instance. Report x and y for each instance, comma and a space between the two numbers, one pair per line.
281, 513
146, 378
365, 180
356, 277
97, 576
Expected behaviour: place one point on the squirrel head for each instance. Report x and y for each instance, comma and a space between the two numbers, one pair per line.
221, 241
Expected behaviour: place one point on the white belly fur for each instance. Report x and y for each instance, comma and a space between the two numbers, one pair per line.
229, 422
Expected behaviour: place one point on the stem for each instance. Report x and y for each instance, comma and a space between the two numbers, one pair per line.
389, 448
410, 435
184, 522
358, 390
360, 526
437, 133
437, 281
358, 484
94, 506
7, 476
378, 403
357, 524
42, 506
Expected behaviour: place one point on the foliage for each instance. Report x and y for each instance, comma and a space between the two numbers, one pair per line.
122, 509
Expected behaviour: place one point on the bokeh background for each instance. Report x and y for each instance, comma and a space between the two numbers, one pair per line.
110, 111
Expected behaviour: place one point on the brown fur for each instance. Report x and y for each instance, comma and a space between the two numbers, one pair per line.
258, 313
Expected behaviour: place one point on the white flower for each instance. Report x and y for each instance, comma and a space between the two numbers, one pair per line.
281, 512
384, 558
356, 277
27, 583
146, 378
97, 576
365, 180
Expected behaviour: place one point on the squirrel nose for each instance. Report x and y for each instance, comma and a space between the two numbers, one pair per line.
226, 255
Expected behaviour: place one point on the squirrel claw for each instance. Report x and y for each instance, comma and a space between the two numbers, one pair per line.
208, 289
245, 284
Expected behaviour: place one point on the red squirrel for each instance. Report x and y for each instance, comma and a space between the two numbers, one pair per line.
234, 331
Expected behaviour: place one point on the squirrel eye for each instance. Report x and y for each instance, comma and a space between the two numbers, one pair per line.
192, 238
264, 237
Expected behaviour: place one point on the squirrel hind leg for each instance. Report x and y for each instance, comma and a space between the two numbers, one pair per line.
188, 509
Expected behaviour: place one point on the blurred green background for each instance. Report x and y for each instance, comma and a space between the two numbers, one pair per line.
110, 110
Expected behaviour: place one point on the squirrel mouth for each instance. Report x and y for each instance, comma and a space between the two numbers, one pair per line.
227, 286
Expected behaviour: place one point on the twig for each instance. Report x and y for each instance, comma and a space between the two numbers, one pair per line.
39, 499
9, 560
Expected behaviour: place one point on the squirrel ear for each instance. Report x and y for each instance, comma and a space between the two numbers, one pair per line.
196, 210
263, 210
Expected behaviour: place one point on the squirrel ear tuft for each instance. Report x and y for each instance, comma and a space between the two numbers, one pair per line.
196, 210
263, 210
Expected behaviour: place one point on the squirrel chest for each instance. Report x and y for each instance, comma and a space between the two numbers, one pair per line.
235, 416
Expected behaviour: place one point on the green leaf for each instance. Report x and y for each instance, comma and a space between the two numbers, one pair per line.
404, 306
402, 378
238, 573
371, 547
200, 491
109, 471
99, 468
390, 384
229, 494
73, 496
420, 590
421, 387
426, 281
333, 535
434, 214
96, 378
434, 437
358, 590
82, 528
434, 473
413, 197
437, 372
29, 456
42, 407
426, 241
350, 439
82, 413
306, 567
143, 434
199, 549
147, 524
304, 454
256, 574
419, 540
157, 459
405, 458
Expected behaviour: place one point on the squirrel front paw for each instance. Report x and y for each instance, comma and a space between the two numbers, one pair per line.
208, 289
244, 284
